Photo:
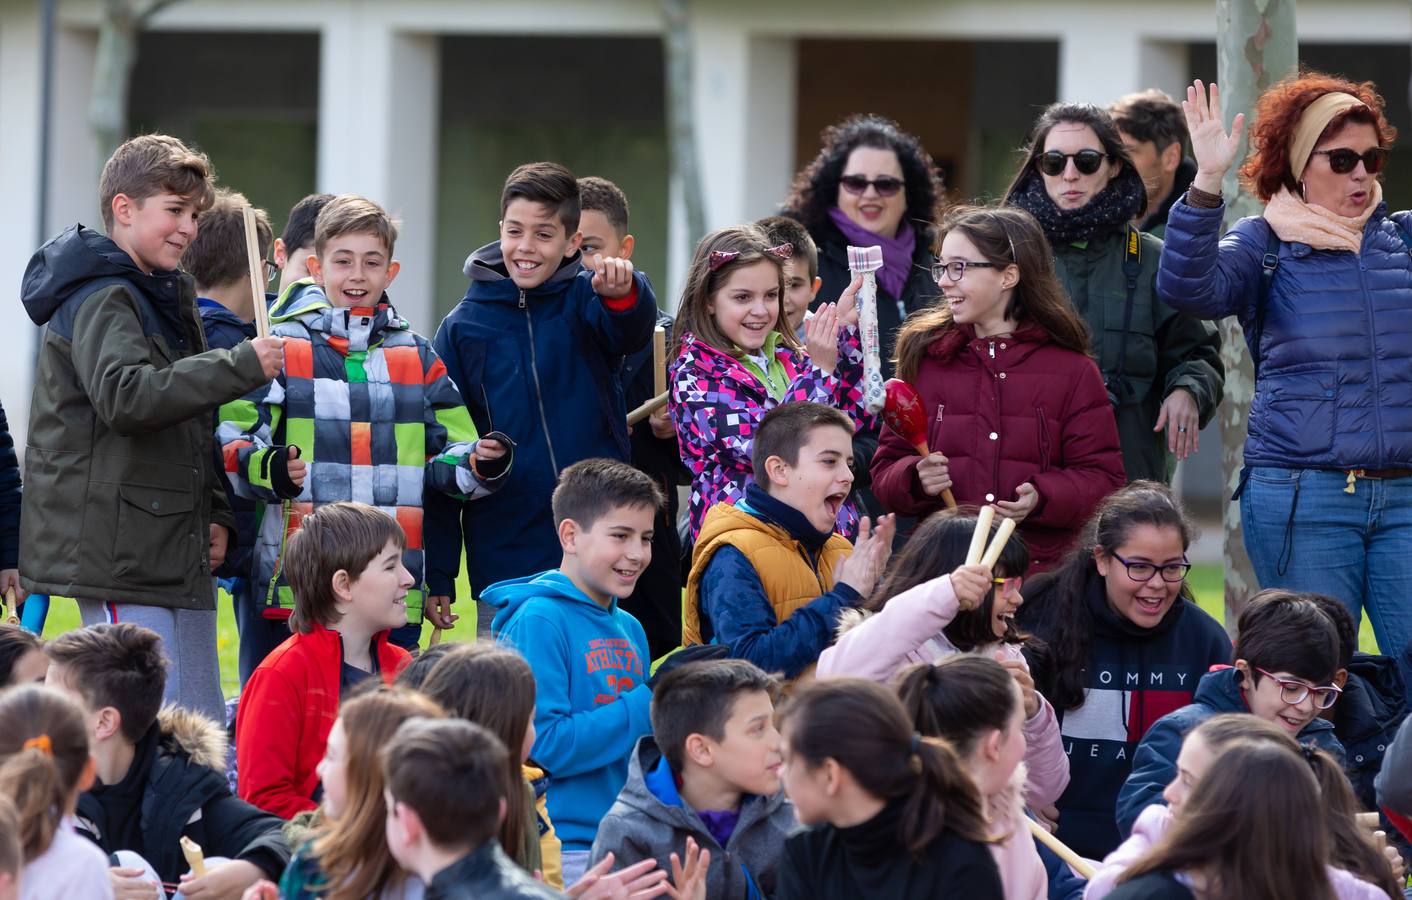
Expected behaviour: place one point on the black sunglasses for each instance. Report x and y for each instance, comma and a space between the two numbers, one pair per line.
886, 186
1343, 160
1053, 162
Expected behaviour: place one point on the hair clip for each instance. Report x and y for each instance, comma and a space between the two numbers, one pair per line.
719, 258
41, 743
783, 252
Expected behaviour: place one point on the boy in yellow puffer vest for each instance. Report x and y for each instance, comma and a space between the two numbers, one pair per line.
769, 576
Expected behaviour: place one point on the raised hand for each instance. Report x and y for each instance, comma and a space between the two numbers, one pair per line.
864, 566
1026, 499
970, 584
612, 277
848, 303
821, 337
1215, 149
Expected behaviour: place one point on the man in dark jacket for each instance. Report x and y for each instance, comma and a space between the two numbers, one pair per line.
534, 348
10, 490
1153, 128
217, 261
161, 775
124, 512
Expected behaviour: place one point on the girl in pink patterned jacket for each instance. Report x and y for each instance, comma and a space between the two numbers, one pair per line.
734, 365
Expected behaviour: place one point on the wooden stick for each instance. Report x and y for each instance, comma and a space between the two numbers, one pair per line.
1368, 820
1075, 862
983, 522
257, 273
948, 498
435, 637
997, 543
647, 409
659, 361
12, 617
194, 857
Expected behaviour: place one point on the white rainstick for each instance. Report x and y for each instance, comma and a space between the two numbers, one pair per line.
865, 261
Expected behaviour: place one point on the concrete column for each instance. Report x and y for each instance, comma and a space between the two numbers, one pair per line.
1098, 65
379, 98
19, 169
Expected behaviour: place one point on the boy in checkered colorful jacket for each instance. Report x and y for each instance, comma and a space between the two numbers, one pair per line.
363, 410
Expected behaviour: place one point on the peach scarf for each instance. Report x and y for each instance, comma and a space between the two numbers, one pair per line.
1294, 220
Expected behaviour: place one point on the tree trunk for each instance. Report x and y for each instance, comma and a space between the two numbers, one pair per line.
123, 21
1256, 46
681, 129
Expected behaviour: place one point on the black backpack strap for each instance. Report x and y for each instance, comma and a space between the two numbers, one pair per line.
1268, 264
1132, 270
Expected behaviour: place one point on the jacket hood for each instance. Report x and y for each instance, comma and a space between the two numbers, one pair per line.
63, 266
214, 312
200, 739
508, 597
299, 297
488, 264
1372, 705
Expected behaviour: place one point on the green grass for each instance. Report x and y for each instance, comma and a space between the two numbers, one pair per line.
1206, 582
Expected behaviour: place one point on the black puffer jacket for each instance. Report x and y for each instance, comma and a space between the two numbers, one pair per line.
486, 874
177, 788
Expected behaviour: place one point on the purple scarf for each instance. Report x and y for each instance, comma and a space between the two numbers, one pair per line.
897, 251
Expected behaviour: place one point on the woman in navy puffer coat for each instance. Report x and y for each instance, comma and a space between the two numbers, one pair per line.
1322, 284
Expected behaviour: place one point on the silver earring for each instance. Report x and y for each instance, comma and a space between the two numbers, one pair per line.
1302, 195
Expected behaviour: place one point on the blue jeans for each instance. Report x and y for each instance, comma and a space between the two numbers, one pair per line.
1304, 533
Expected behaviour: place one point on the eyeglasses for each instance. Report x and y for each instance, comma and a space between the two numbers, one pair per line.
1143, 571
271, 270
956, 269
1008, 585
1293, 692
886, 185
1343, 160
1086, 161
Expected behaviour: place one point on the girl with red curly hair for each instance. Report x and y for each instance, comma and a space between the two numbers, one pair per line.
1322, 284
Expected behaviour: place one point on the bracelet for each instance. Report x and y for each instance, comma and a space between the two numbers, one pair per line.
1200, 199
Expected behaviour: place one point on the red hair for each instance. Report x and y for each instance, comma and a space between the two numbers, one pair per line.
1277, 113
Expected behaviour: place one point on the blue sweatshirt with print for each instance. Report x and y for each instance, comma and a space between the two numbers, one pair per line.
592, 702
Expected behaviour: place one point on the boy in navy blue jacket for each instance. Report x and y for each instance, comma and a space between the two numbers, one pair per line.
217, 260
589, 657
534, 347
1286, 656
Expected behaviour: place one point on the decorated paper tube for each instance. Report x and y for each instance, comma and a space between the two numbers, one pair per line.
865, 261
257, 274
904, 414
194, 857
983, 522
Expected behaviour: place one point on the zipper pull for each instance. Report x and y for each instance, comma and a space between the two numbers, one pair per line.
522, 301
1352, 485
992, 349
940, 408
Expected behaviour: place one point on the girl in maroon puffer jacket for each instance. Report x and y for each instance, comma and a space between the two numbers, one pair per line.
1018, 416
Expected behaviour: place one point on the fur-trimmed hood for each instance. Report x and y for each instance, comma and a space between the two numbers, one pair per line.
193, 735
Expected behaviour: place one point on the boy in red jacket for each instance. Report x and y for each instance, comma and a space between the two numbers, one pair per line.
350, 589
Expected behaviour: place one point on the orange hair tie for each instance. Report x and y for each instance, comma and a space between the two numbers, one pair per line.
41, 743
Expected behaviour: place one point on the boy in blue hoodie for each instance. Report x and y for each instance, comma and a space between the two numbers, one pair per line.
589, 657
1286, 656
534, 348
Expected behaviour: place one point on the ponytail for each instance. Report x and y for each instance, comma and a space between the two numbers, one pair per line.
43, 755
862, 726
1351, 847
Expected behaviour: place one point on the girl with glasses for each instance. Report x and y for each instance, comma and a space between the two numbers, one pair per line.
1016, 409
1162, 368
1320, 284
932, 606
1112, 653
1286, 655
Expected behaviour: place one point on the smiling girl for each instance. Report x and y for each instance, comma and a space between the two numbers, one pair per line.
925, 612
1019, 416
734, 365
1119, 642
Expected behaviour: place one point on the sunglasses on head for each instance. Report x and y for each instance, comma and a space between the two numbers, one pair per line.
886, 185
1343, 160
1053, 162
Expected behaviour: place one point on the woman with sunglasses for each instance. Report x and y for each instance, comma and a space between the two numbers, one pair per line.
1162, 368
1286, 654
872, 184
1117, 643
1322, 284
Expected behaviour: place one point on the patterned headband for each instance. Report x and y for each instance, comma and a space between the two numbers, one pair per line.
719, 258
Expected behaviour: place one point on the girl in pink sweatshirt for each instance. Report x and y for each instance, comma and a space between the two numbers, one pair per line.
924, 612
1359, 870
975, 703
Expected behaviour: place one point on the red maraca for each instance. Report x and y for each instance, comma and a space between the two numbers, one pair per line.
904, 413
